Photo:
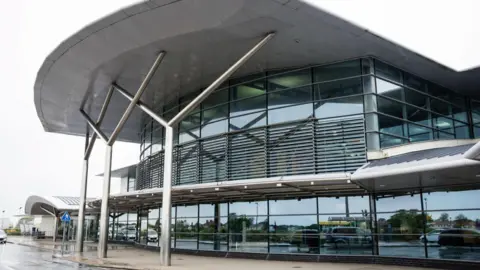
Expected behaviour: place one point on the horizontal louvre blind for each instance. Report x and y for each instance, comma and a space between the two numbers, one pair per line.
311, 146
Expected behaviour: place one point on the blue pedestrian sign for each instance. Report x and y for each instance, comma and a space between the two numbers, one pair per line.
65, 217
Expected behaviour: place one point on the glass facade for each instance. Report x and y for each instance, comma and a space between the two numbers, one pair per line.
420, 225
311, 120
408, 108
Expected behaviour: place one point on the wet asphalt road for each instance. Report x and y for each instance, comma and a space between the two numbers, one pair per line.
15, 257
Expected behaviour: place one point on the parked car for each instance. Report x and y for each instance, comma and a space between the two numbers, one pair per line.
349, 237
431, 236
459, 238
307, 239
152, 236
3, 237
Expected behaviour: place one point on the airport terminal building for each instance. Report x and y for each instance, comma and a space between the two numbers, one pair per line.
269, 128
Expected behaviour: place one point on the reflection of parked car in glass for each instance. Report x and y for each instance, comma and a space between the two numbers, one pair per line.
152, 236
3, 237
431, 236
459, 238
308, 239
349, 237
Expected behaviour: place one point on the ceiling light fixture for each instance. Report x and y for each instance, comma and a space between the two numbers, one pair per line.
279, 184
217, 189
312, 183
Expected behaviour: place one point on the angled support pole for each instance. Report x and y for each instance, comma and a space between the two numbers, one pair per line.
141, 105
84, 182
165, 240
104, 212
94, 126
103, 111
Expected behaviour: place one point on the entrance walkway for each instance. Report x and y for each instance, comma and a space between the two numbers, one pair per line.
128, 257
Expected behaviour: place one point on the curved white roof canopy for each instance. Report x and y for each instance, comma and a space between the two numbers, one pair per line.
201, 38
36, 205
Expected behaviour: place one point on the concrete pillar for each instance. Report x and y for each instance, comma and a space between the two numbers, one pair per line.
244, 231
218, 225
370, 100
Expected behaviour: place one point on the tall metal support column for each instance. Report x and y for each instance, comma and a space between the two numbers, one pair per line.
83, 190
104, 215
81, 206
373, 217
165, 237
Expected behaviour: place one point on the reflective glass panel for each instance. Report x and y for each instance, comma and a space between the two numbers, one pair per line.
294, 234
289, 79
339, 107
386, 71
248, 121
461, 131
216, 98
290, 113
400, 223
388, 89
439, 106
390, 107
419, 133
414, 82
415, 98
301, 206
418, 116
475, 105
247, 87
214, 128
338, 88
247, 106
442, 123
390, 125
337, 71
249, 208
460, 114
213, 114
388, 141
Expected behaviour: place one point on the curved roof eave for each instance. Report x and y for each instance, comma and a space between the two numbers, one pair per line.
201, 40
34, 204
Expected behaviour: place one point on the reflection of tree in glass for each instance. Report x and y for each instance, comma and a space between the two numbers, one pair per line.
461, 221
405, 225
443, 217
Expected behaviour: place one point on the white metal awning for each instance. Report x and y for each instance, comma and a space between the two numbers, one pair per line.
429, 169
330, 184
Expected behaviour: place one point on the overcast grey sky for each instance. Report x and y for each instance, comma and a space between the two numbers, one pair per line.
36, 162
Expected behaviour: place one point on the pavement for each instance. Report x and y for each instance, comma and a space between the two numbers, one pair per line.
16, 257
129, 257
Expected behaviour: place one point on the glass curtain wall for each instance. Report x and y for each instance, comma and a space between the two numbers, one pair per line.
409, 108
442, 225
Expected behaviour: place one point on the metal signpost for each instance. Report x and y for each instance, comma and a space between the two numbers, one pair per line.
65, 220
